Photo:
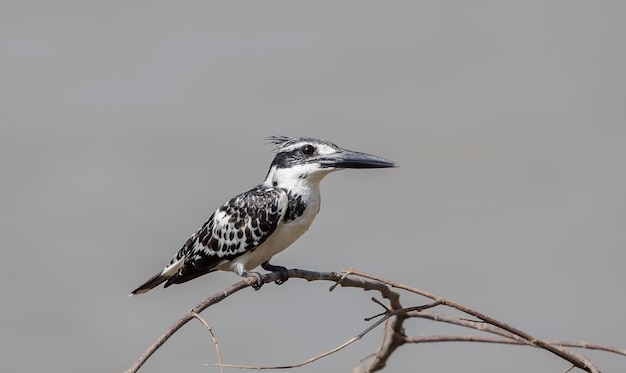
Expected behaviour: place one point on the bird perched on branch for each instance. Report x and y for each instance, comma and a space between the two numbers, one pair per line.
252, 227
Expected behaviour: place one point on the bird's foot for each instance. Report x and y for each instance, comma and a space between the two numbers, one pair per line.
258, 283
282, 272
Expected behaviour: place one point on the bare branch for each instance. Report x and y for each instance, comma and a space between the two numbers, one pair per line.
386, 316
216, 298
315, 358
569, 369
477, 325
501, 340
397, 337
393, 318
591, 346
217, 346
362, 283
574, 358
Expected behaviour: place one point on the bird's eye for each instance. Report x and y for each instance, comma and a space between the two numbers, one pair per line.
307, 149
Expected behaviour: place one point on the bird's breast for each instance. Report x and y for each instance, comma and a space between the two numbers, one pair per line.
286, 233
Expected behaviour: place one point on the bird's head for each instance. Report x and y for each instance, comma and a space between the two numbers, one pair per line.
309, 158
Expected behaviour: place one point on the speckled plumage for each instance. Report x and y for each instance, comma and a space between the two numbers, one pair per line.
253, 226
238, 226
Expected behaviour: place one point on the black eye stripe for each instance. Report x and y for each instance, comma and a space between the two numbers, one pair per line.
296, 155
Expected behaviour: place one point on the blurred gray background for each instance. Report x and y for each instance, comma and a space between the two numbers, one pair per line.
125, 124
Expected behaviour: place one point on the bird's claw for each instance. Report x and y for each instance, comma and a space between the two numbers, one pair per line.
258, 284
258, 279
283, 276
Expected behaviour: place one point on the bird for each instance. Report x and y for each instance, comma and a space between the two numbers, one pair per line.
252, 227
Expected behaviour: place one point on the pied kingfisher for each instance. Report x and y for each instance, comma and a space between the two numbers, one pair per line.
251, 228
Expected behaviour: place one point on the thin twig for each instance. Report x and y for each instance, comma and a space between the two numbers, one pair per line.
382, 342
362, 283
569, 369
510, 338
397, 333
217, 346
324, 354
216, 298
574, 358
506, 341
591, 346
472, 324
386, 316
393, 334
338, 281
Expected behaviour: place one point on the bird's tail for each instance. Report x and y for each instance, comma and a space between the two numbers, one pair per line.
159, 278
153, 282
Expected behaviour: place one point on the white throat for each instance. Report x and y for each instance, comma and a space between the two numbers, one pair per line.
301, 179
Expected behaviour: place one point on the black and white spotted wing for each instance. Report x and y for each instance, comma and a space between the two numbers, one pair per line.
237, 227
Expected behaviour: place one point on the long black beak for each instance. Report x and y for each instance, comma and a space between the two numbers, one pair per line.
351, 159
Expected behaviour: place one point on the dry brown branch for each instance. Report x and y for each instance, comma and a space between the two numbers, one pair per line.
574, 358
506, 341
393, 317
217, 346
216, 298
315, 358
386, 316
508, 338
362, 283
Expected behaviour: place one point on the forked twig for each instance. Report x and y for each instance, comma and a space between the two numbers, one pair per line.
217, 346
315, 358
386, 316
573, 357
393, 317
